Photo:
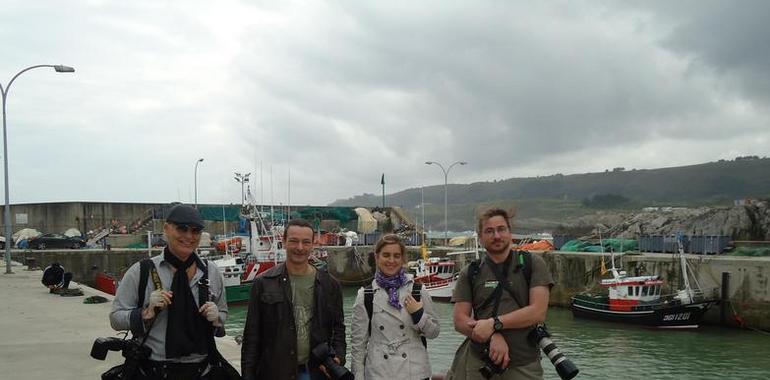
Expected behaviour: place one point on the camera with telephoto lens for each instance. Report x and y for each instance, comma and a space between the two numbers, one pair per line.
132, 350
325, 354
540, 337
490, 368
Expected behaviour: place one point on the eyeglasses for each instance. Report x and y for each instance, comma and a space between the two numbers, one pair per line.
183, 228
500, 230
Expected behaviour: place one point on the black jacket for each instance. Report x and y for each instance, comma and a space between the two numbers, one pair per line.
53, 275
269, 337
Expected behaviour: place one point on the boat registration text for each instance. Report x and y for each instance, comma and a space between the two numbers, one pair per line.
676, 317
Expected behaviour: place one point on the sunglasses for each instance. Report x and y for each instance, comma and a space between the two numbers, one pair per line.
196, 230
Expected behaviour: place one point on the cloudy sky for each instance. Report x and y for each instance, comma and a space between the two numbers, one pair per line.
337, 93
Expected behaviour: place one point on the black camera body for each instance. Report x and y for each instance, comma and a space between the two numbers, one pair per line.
489, 368
540, 337
132, 350
325, 354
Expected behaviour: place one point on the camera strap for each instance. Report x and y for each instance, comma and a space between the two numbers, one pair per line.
523, 264
147, 269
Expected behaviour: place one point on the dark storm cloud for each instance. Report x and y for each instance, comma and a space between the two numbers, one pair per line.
518, 80
341, 92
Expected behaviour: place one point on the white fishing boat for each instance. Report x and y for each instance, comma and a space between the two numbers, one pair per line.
439, 275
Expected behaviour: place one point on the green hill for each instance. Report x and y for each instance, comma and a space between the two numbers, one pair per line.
551, 199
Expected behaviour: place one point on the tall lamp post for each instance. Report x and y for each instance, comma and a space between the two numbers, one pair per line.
7, 209
196, 181
243, 179
446, 177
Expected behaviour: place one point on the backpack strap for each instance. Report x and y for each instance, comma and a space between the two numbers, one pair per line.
416, 294
416, 291
523, 261
204, 293
369, 305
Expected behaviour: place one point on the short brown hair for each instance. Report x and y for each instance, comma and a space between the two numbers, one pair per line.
492, 212
390, 239
297, 223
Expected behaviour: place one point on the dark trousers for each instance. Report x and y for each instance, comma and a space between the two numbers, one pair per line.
153, 370
66, 280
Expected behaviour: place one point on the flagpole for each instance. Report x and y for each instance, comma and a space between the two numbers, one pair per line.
382, 182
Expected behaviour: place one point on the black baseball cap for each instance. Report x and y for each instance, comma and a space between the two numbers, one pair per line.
185, 215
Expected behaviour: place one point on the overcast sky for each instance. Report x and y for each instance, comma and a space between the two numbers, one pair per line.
340, 92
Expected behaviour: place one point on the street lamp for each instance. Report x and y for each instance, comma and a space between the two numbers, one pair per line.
7, 209
446, 176
243, 179
196, 181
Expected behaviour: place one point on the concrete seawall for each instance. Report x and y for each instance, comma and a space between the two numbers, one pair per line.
748, 293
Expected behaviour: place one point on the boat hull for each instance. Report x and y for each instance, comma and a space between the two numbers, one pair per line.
237, 294
441, 292
660, 315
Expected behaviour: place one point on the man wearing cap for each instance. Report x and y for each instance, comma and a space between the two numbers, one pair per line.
177, 324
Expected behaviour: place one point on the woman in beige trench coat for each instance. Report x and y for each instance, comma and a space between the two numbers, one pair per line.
394, 350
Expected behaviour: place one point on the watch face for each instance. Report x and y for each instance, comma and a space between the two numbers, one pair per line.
498, 324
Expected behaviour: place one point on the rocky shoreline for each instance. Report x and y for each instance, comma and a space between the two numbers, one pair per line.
748, 221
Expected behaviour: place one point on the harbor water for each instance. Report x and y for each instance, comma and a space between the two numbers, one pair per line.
605, 350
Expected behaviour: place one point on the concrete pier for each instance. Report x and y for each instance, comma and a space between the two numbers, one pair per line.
45, 336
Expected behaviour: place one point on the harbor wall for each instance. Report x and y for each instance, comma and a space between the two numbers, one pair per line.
748, 292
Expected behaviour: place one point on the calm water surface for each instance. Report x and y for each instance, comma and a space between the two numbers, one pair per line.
614, 351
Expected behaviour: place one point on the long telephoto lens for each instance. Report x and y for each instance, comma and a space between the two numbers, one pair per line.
564, 367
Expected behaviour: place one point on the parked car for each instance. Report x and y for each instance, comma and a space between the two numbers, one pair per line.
56, 241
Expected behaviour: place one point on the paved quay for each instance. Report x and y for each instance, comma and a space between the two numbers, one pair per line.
45, 336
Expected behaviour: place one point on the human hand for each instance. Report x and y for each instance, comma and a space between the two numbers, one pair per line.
498, 351
412, 305
159, 299
323, 368
210, 311
482, 330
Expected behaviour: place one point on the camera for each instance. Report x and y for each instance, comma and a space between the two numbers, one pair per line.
132, 350
325, 354
489, 368
540, 337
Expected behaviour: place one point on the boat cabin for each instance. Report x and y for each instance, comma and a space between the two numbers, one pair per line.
627, 292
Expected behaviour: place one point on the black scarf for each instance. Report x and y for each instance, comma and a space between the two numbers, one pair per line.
186, 331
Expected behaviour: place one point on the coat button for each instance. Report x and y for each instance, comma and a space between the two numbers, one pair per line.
402, 327
291, 352
403, 355
382, 327
385, 356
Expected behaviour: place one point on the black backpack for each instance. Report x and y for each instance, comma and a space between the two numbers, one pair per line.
369, 304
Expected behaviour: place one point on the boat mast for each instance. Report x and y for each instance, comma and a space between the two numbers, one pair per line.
683, 264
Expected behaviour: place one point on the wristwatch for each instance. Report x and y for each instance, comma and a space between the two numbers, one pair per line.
498, 324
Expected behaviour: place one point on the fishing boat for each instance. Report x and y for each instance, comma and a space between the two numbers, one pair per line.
638, 300
264, 251
439, 275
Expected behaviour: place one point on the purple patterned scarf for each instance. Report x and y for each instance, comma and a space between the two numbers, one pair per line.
392, 284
